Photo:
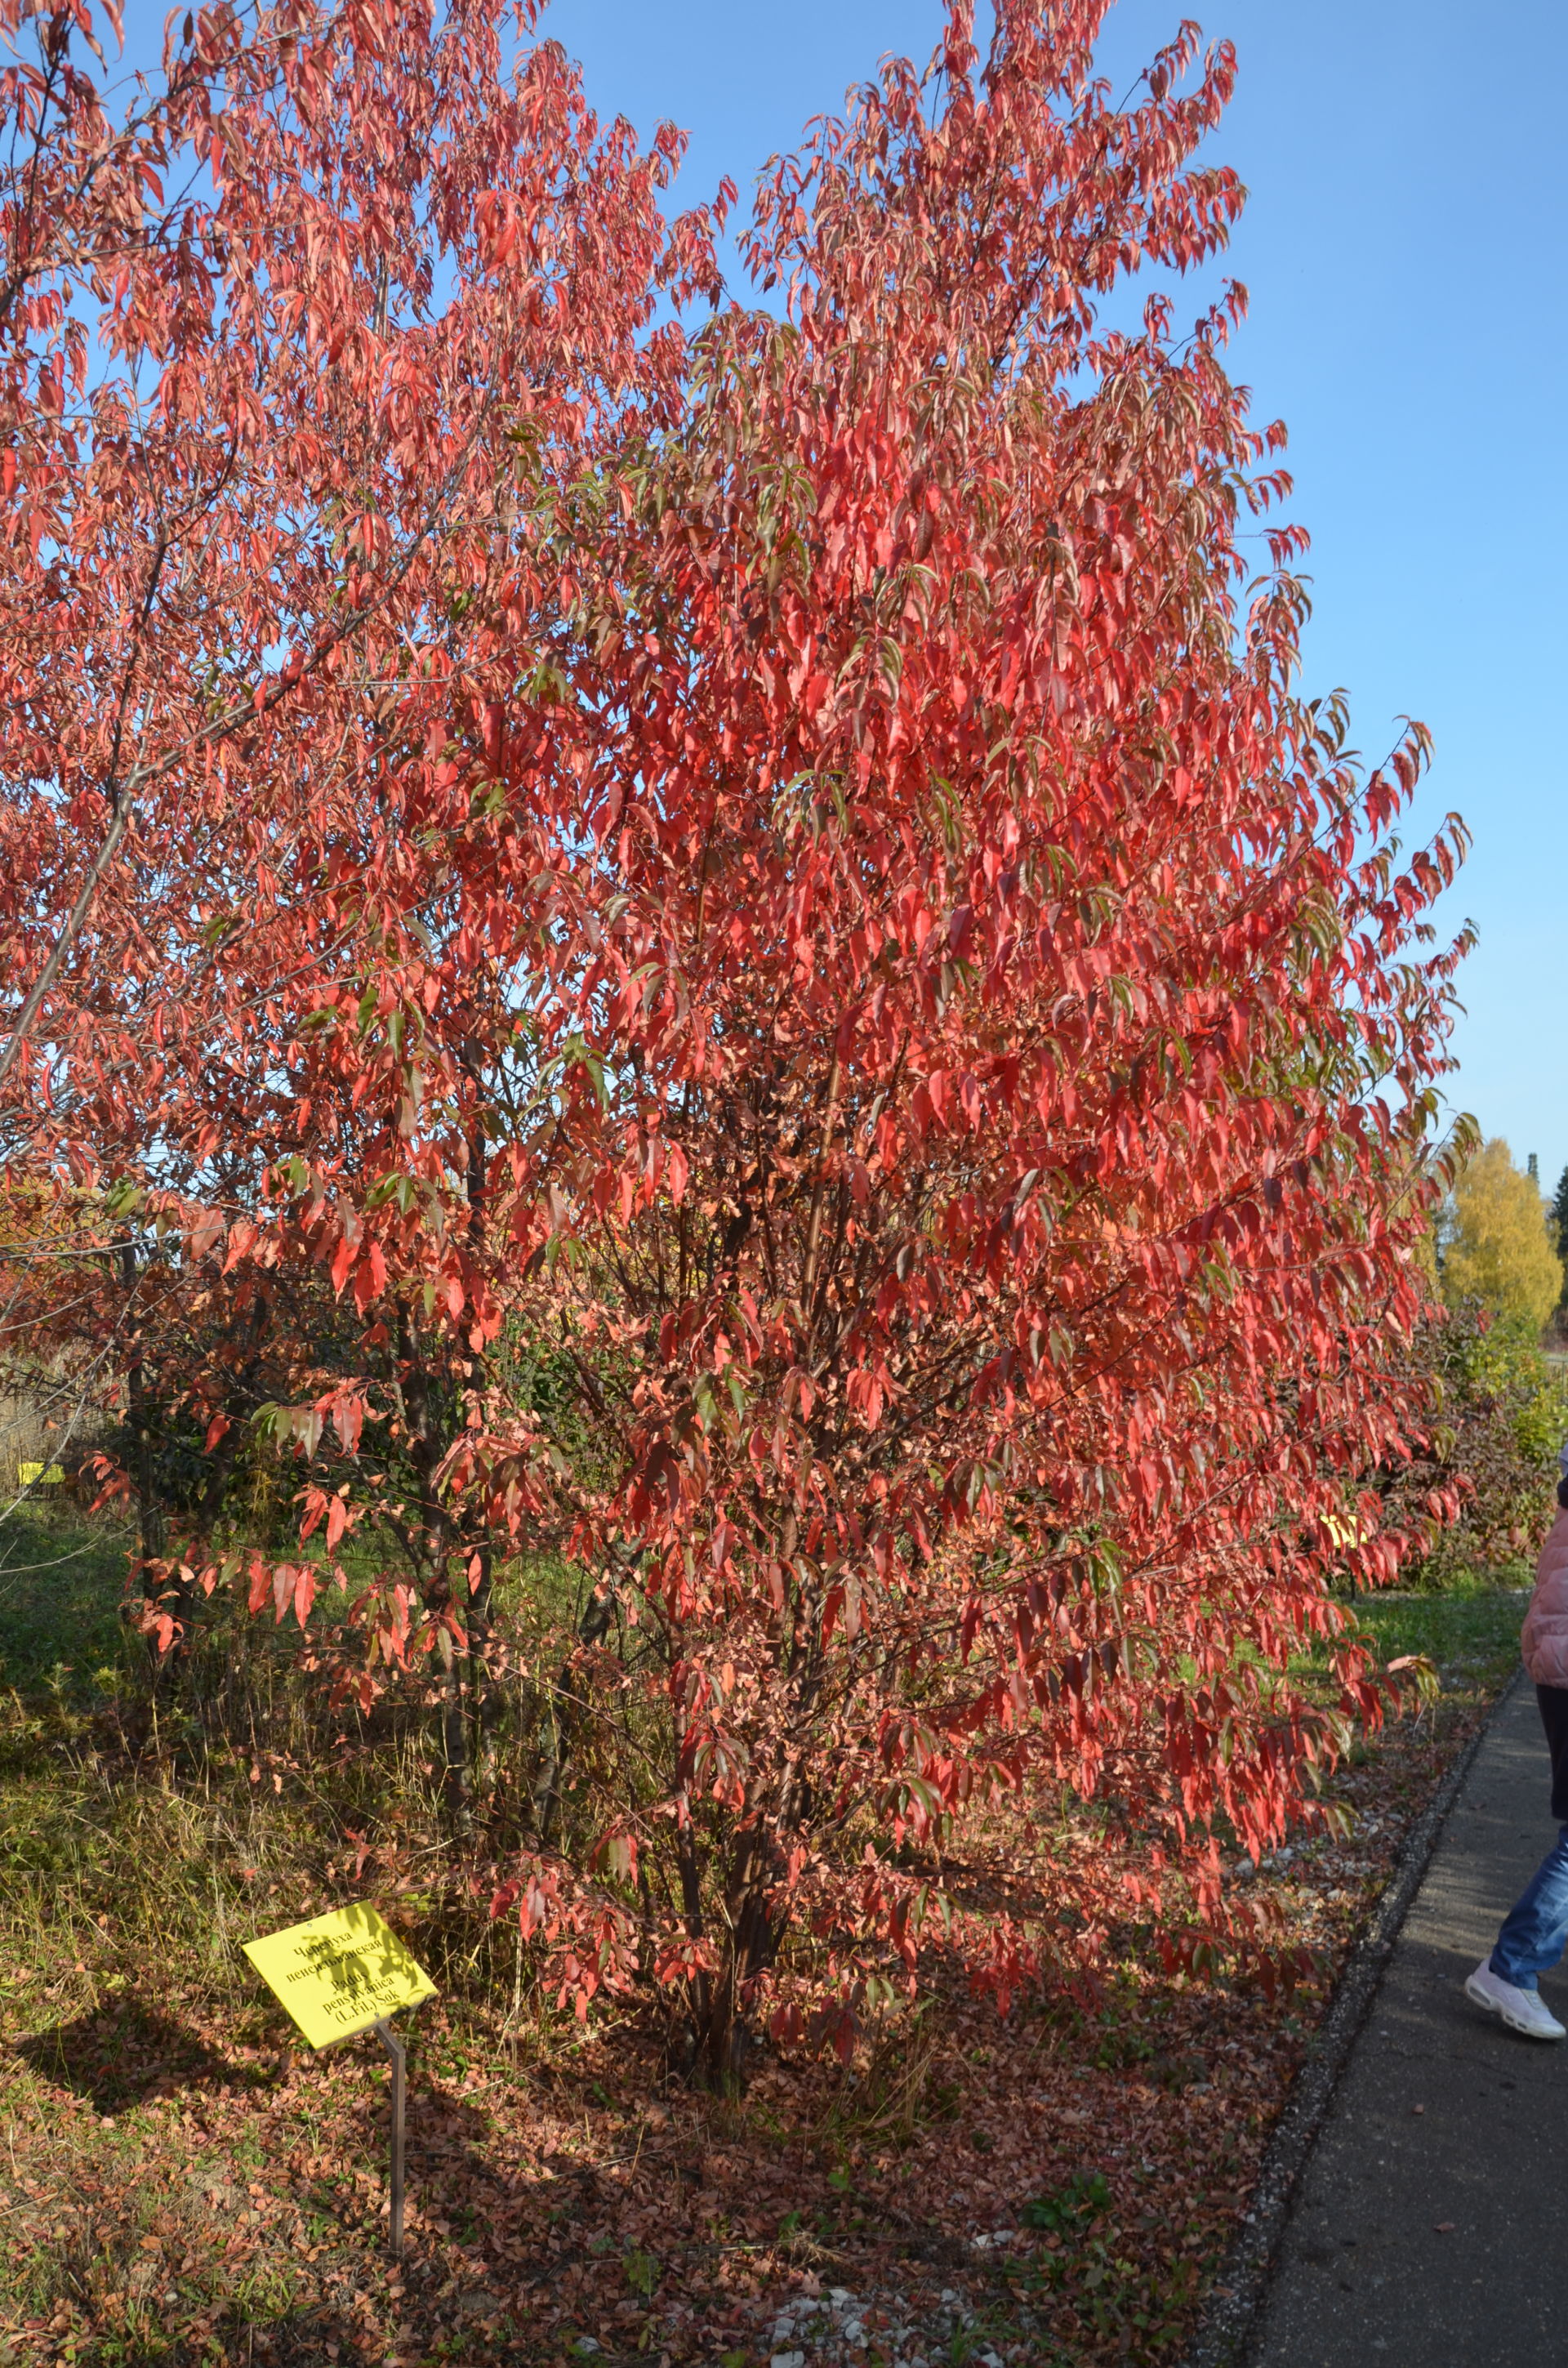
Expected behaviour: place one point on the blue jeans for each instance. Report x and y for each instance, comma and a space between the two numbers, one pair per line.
1535, 1927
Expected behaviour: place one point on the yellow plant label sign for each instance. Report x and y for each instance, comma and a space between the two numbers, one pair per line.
340, 1973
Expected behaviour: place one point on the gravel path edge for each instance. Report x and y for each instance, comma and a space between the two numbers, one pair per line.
1231, 2315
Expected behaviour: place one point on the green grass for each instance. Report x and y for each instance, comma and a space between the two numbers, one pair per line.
61, 1579
1471, 1633
147, 1823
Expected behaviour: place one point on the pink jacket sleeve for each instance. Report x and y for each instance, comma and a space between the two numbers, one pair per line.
1544, 1642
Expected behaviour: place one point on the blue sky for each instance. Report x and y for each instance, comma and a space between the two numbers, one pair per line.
1404, 249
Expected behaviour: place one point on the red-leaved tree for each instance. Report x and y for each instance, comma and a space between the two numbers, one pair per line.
284, 349
993, 1258
297, 346
861, 1056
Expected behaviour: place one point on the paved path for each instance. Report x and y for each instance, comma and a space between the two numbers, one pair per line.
1434, 2237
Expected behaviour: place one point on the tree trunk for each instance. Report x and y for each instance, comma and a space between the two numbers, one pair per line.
151, 1535
721, 2002
593, 1626
484, 1694
457, 1788
436, 1547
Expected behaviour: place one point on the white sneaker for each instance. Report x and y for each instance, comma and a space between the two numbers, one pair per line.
1521, 2009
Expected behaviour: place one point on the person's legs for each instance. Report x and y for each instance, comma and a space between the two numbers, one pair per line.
1553, 1702
1535, 1927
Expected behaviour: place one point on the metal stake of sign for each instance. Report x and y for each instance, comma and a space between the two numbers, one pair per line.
393, 2047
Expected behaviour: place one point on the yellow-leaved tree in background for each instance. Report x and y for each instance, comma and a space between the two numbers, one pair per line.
1500, 1245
